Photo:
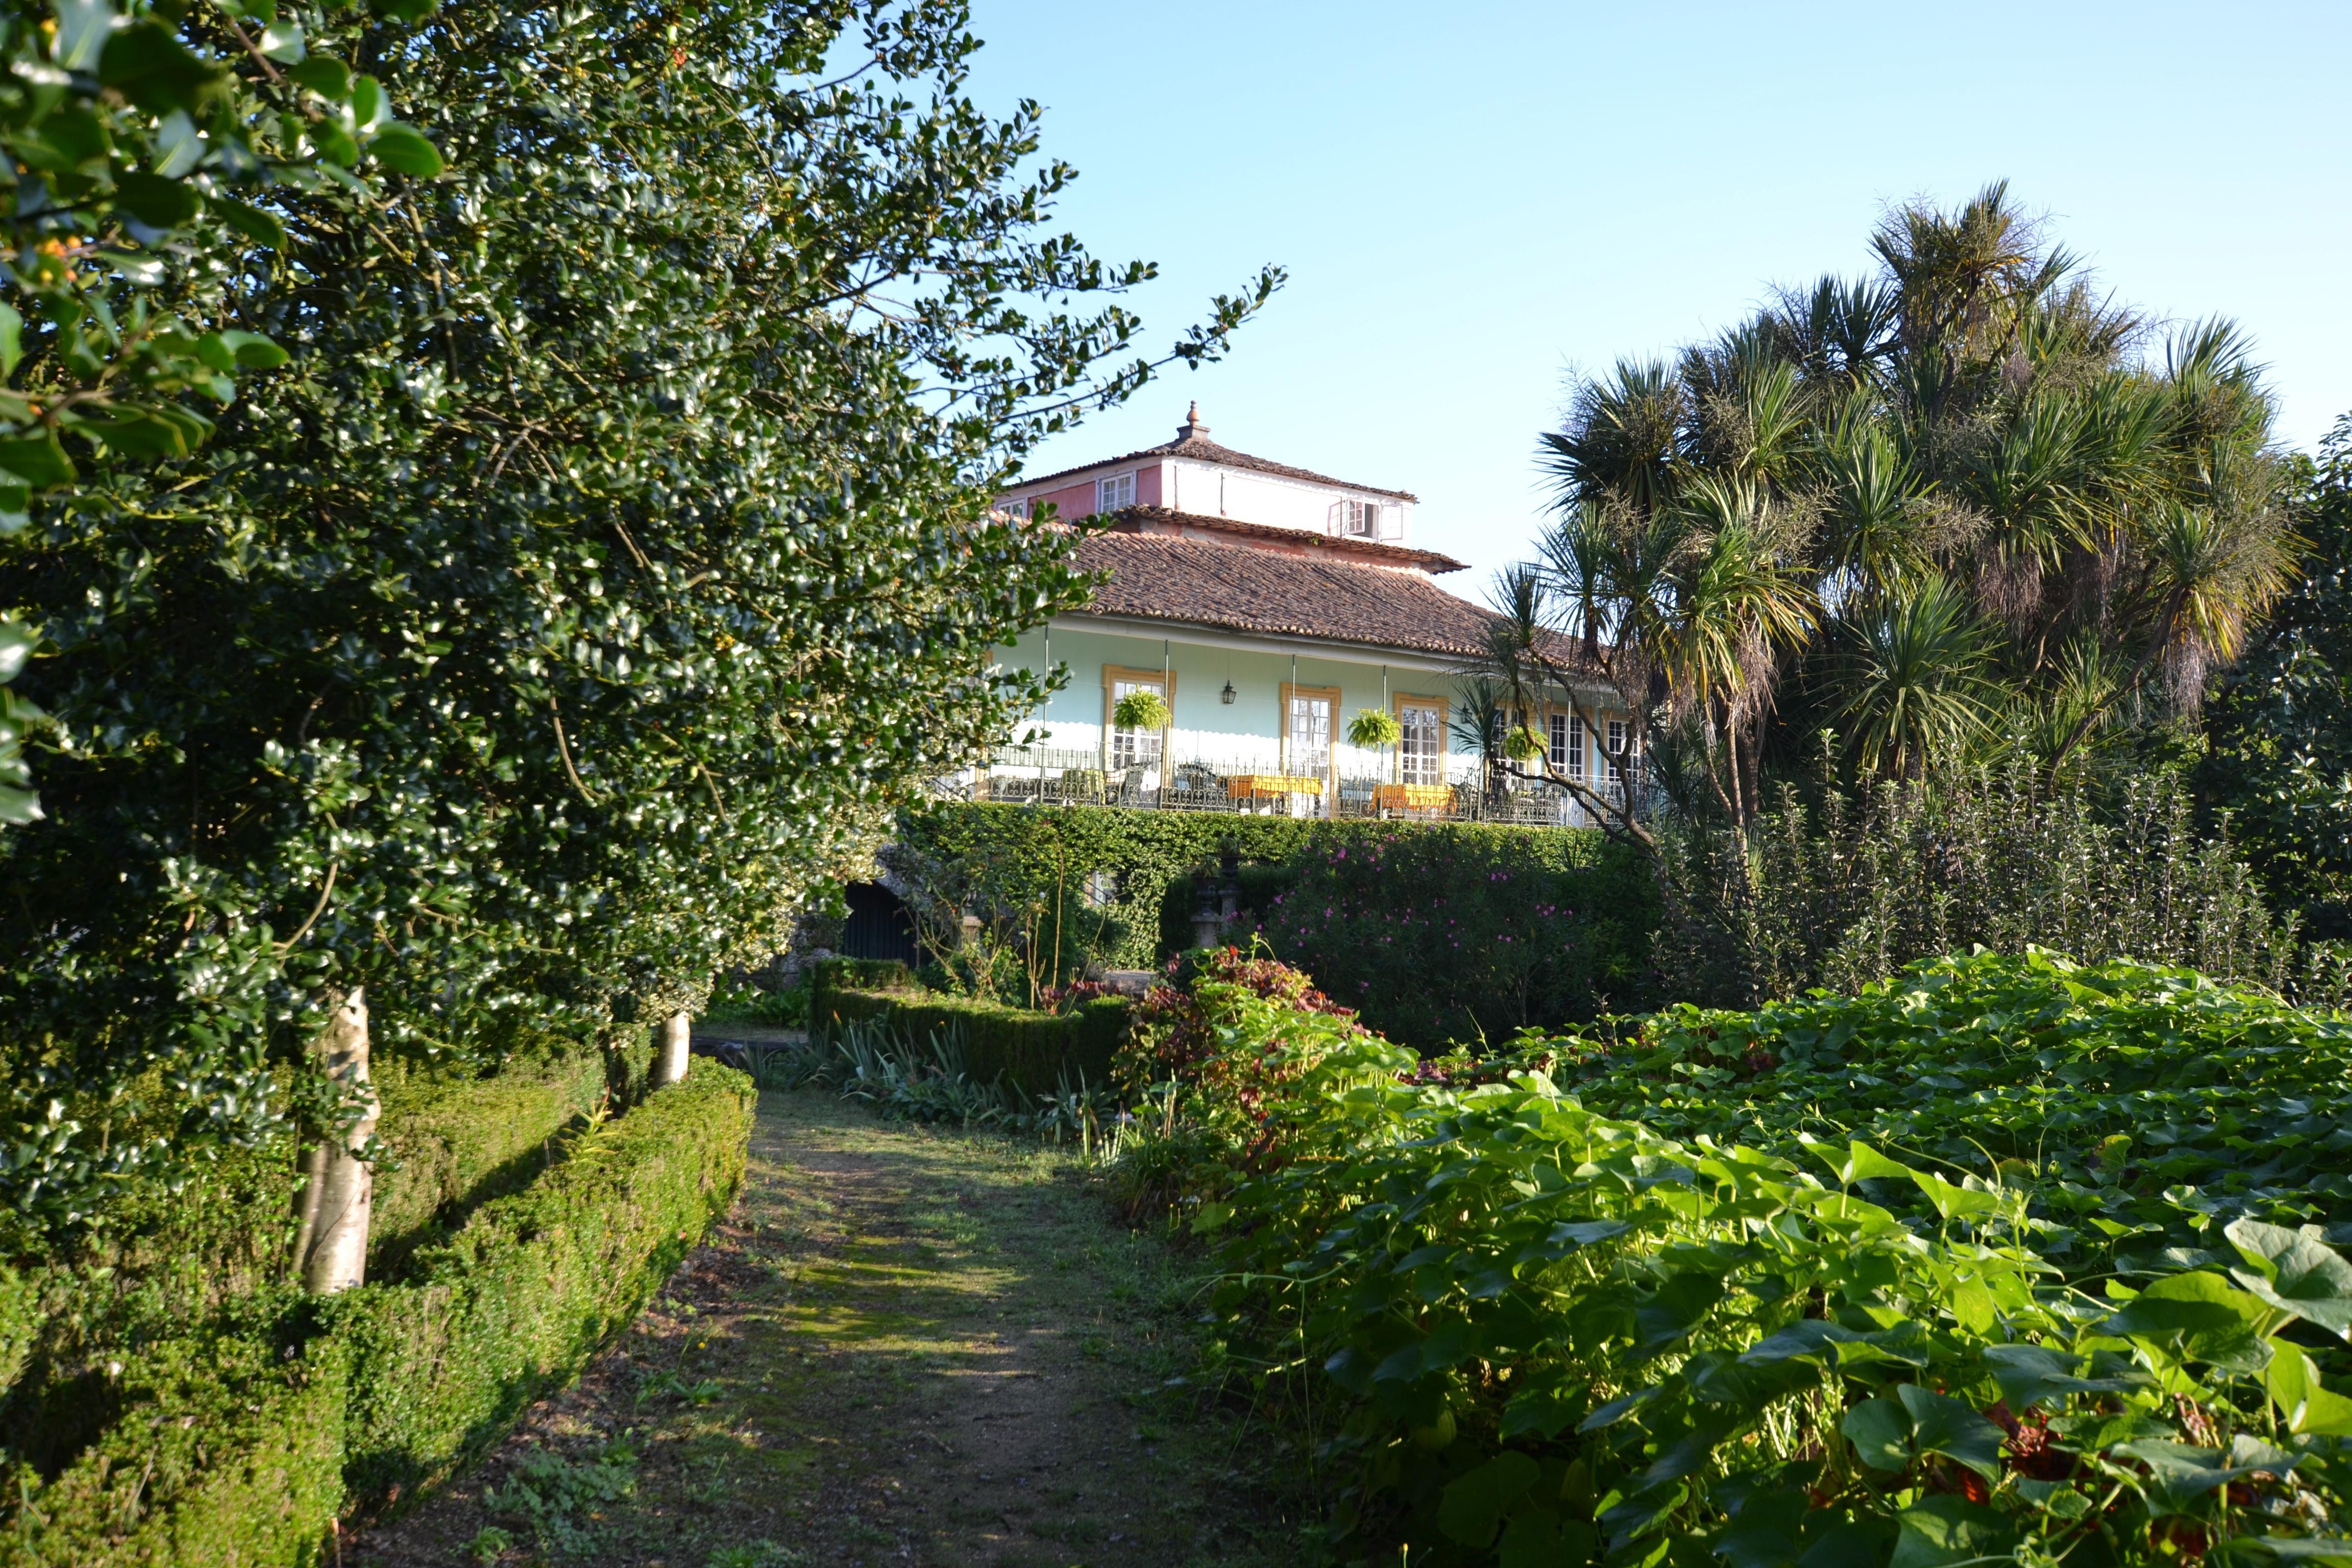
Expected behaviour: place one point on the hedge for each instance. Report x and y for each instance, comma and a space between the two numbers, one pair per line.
1152, 856
242, 1440
182, 1253
1033, 1051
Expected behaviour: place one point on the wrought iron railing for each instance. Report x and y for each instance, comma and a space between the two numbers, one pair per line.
1061, 776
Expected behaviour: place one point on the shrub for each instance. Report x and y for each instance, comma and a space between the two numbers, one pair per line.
1535, 1331
1847, 889
1149, 860
1032, 1050
1440, 932
240, 1436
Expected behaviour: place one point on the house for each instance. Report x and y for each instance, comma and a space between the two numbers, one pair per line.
1266, 606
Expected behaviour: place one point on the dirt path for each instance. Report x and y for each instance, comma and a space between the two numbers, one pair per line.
903, 1347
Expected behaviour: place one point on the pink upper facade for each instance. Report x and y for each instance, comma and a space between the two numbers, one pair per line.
1194, 476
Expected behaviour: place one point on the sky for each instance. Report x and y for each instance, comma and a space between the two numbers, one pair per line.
1476, 201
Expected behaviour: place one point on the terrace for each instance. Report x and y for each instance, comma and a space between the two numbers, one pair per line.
1355, 786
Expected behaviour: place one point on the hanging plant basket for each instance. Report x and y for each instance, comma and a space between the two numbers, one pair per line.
1141, 711
1370, 727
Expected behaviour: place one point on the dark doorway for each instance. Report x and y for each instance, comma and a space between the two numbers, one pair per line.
879, 925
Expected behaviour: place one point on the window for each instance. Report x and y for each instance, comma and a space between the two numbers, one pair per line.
1616, 748
1420, 753
1114, 492
1134, 748
1306, 729
1356, 518
1014, 508
1567, 744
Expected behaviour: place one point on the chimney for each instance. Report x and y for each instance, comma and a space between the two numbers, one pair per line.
1192, 425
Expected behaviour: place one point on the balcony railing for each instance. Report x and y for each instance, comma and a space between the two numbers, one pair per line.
1022, 775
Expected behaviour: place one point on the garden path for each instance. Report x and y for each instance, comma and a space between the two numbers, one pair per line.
903, 1346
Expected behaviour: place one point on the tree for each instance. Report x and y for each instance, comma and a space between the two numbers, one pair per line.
2279, 759
612, 556
141, 135
1969, 498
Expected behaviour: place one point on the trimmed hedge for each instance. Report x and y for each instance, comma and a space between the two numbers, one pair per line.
1033, 1051
242, 1440
174, 1257
1153, 855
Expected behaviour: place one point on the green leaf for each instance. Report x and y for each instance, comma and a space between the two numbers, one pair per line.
370, 107
405, 149
282, 42
36, 460
1951, 1428
1471, 1510
2295, 1271
17, 642
252, 350
261, 227
2292, 1380
155, 200
19, 806
82, 29
1946, 1532
12, 339
2198, 1317
1880, 1431
324, 75
149, 66
2179, 1473
2031, 1373
1680, 1305
1954, 1202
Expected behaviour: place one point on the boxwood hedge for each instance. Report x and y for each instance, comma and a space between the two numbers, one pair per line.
247, 1436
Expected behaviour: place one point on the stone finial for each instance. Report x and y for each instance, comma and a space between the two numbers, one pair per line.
1192, 425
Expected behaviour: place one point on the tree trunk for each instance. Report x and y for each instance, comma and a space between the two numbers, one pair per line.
671, 1040
337, 1197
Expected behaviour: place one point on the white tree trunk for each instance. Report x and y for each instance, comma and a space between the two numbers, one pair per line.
339, 1188
672, 1040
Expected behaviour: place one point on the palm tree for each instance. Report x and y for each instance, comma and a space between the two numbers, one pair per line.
1970, 486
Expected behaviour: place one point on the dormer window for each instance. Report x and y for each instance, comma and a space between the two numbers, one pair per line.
1015, 509
1361, 519
1115, 493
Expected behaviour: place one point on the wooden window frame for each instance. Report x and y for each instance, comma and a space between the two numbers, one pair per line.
1396, 704
1112, 674
1578, 732
1332, 755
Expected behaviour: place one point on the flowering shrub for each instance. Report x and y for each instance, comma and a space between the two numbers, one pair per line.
1181, 1035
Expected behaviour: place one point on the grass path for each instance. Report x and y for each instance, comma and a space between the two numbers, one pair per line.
903, 1346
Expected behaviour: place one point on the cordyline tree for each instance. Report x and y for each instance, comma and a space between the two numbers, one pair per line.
611, 555
1964, 503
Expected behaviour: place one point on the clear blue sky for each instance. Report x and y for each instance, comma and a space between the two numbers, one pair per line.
1473, 199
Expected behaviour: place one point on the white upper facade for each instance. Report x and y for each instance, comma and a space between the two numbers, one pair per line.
1194, 476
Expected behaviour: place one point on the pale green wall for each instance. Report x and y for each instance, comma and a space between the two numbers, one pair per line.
1251, 725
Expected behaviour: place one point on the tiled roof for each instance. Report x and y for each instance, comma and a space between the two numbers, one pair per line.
1159, 519
1199, 449
1155, 576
